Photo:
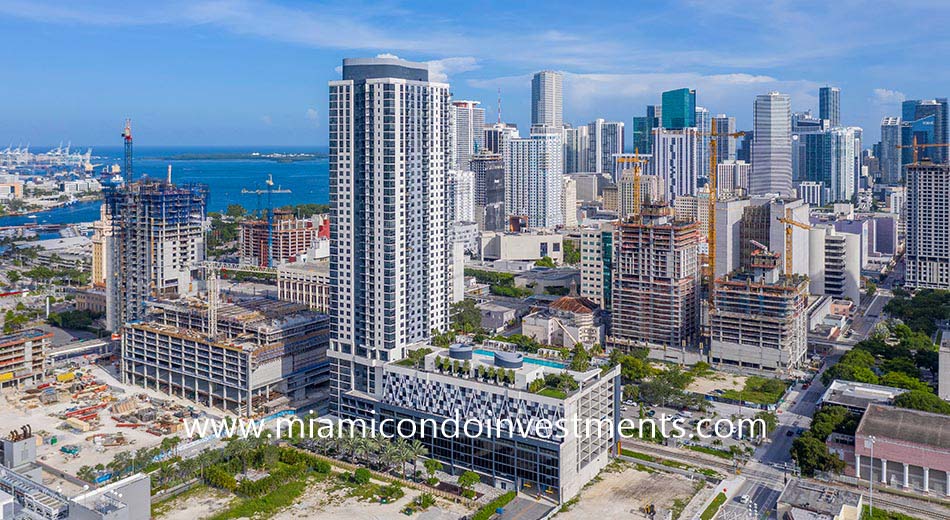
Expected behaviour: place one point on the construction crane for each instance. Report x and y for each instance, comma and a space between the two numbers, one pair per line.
637, 161
127, 137
789, 222
269, 190
713, 194
917, 146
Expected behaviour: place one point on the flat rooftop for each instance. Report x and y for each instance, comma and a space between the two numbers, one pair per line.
817, 498
859, 395
901, 424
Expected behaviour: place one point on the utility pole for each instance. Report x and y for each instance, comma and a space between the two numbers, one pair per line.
869, 443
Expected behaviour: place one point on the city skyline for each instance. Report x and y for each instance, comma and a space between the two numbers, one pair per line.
250, 73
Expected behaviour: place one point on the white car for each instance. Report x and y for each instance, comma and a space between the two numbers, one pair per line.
623, 408
745, 499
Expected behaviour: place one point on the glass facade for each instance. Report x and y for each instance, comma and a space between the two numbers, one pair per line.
679, 108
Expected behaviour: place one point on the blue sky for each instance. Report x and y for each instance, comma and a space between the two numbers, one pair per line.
242, 72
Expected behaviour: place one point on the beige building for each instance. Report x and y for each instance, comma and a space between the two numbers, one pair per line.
307, 283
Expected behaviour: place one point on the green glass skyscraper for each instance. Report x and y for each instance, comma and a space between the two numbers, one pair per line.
679, 109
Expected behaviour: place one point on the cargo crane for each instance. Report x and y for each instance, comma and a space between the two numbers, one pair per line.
269, 190
789, 222
637, 161
917, 146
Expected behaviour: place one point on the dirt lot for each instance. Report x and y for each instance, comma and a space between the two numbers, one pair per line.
318, 501
621, 494
716, 381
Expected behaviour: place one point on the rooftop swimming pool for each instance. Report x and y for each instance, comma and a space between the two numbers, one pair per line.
529, 360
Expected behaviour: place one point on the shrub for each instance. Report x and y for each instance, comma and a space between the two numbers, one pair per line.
361, 476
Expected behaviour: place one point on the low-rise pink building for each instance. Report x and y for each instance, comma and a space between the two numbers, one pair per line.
911, 449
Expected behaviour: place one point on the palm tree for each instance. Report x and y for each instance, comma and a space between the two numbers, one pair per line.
402, 447
390, 456
416, 450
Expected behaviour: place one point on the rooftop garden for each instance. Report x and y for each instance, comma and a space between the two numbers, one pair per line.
557, 386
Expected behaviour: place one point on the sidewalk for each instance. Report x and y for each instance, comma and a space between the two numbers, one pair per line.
729, 487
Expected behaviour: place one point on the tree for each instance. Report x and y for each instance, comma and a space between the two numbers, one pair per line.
902, 380
13, 276
467, 481
922, 400
770, 420
235, 211
545, 261
86, 473
432, 467
832, 419
572, 255
466, 317
812, 455
580, 359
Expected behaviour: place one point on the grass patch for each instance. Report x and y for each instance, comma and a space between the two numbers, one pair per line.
759, 390
713, 508
637, 455
723, 454
552, 392
488, 510
880, 514
267, 505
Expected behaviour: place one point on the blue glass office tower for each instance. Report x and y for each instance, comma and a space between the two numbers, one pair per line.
915, 114
679, 109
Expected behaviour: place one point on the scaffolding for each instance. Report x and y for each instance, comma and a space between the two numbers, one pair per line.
158, 236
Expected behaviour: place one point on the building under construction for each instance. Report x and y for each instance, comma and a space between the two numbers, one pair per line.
288, 238
759, 318
266, 353
157, 241
23, 356
655, 296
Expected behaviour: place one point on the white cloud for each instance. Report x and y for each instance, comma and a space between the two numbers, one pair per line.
313, 115
883, 96
440, 70
267, 120
387, 55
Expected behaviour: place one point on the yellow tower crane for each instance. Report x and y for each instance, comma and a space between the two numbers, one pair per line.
637, 161
917, 146
789, 222
713, 193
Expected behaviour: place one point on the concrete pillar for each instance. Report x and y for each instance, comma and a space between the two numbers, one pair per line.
857, 466
884, 471
926, 480
948, 482
906, 475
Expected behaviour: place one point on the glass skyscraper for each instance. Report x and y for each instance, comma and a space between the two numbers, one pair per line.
679, 109
829, 105
928, 120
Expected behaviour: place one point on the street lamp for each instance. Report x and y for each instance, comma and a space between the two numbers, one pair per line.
869, 443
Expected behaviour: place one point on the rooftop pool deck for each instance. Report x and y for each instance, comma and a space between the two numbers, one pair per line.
529, 360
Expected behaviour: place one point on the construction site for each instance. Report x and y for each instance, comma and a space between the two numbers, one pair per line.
157, 241
655, 300
758, 316
84, 416
249, 357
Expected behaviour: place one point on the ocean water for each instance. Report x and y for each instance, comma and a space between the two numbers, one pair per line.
309, 181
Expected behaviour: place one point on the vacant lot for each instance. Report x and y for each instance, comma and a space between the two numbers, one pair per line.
621, 494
